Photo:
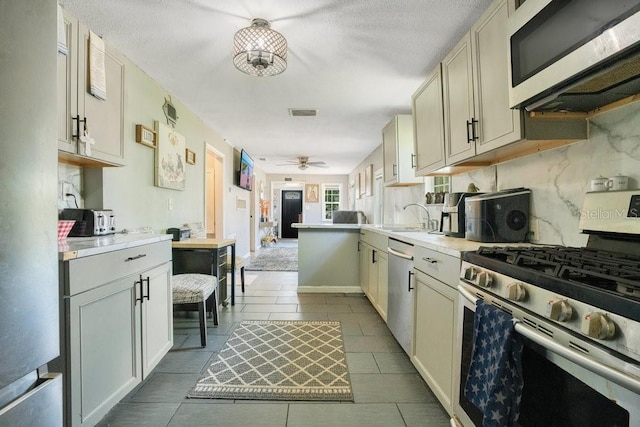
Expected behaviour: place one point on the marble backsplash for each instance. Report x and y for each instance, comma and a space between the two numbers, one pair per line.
69, 178
559, 178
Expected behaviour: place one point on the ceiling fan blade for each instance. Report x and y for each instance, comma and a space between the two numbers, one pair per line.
319, 163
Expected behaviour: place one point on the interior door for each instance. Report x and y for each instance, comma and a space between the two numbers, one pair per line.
291, 212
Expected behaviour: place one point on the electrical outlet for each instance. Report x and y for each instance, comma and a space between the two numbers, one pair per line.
66, 189
534, 230
170, 204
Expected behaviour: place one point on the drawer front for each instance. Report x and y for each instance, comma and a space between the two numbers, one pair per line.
445, 268
87, 273
377, 240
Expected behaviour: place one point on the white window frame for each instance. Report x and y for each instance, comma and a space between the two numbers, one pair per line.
326, 187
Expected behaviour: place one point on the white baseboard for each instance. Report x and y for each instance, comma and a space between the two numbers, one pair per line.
329, 290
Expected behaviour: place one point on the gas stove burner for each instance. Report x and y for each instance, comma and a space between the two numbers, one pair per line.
628, 290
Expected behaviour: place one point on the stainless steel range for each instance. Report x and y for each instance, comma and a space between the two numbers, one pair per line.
579, 312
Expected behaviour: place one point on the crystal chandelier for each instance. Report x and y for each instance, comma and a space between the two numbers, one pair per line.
260, 51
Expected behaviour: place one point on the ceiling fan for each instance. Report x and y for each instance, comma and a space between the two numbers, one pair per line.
304, 163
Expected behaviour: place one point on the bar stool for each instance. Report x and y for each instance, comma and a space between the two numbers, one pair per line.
191, 292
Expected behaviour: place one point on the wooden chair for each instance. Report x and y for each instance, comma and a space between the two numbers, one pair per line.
191, 292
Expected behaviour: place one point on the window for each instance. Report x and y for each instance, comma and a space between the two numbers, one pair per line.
441, 184
330, 200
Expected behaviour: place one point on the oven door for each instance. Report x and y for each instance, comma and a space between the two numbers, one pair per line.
557, 391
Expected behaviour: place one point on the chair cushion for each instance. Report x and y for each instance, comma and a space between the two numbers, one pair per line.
192, 288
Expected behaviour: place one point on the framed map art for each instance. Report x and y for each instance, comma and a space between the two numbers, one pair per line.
170, 158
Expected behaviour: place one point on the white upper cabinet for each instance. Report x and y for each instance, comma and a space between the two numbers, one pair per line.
472, 125
476, 94
78, 110
398, 155
497, 124
459, 116
428, 124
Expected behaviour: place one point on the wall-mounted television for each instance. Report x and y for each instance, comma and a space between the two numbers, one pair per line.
245, 171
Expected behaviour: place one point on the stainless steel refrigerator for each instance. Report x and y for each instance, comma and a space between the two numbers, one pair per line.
29, 316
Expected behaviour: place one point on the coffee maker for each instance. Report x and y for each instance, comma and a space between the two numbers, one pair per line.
452, 221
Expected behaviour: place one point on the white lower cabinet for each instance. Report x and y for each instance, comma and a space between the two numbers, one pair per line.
157, 318
374, 266
117, 327
435, 322
380, 268
434, 336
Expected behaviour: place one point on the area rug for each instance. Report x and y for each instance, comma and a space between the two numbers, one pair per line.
279, 360
275, 259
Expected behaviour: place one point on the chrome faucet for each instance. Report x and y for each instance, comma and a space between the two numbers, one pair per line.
428, 223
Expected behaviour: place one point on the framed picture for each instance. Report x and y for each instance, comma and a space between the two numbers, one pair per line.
190, 157
368, 180
170, 160
146, 136
358, 185
311, 193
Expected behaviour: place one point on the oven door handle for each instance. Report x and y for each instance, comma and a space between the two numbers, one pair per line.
467, 295
611, 373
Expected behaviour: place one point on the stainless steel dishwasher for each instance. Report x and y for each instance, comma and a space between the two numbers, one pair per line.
400, 309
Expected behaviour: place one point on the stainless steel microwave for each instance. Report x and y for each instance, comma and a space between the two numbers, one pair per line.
573, 55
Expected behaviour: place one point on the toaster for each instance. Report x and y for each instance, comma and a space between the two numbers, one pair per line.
90, 222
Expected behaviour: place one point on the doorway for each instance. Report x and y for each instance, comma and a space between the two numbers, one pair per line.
213, 188
291, 212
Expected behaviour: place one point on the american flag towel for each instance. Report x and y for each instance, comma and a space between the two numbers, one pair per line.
494, 382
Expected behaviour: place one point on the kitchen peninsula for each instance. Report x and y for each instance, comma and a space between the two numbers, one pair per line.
328, 258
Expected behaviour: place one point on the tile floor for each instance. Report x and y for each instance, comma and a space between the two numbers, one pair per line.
387, 389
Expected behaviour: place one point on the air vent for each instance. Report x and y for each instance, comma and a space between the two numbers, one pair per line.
303, 112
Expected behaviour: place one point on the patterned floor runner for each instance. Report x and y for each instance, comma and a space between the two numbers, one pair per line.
279, 360
275, 259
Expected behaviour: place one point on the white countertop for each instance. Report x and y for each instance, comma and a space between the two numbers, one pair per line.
78, 247
326, 226
453, 246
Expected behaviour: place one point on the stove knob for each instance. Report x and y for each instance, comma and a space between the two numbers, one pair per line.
598, 325
516, 292
559, 310
470, 273
484, 279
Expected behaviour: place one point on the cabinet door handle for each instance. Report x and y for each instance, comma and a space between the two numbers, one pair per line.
469, 140
148, 296
373, 256
395, 169
430, 260
78, 120
139, 282
131, 258
358, 246
413, 165
474, 124
410, 274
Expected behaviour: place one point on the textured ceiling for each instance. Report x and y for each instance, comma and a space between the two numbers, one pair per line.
356, 61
